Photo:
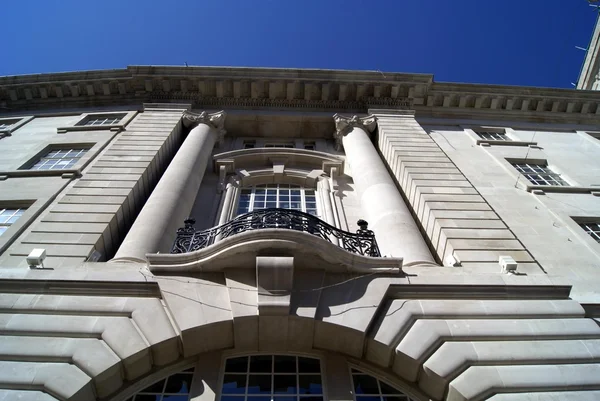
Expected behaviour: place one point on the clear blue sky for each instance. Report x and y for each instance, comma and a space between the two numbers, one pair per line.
518, 42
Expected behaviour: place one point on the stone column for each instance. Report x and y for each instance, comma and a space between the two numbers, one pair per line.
325, 195
171, 202
227, 203
384, 208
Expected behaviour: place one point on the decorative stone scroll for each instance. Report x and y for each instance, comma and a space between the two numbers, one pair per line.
344, 124
215, 120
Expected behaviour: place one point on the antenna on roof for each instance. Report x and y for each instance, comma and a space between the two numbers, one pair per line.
581, 48
185, 63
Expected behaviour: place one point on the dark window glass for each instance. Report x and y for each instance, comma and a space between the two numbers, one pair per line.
237, 365
310, 384
234, 384
155, 388
179, 384
387, 389
259, 384
364, 384
261, 364
309, 365
284, 384
285, 364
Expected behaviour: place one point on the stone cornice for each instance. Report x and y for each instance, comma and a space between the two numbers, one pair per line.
293, 89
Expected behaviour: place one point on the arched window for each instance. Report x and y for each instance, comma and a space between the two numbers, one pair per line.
369, 388
272, 378
285, 196
176, 387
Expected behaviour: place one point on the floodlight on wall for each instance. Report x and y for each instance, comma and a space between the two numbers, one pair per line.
35, 259
508, 264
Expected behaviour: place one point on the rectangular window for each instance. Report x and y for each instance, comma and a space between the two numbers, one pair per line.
278, 196
593, 230
8, 217
492, 135
309, 145
249, 144
101, 119
59, 159
6, 124
540, 174
280, 145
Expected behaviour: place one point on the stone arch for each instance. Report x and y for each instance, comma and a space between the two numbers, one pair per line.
82, 340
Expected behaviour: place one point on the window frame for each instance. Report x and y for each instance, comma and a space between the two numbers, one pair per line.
7, 225
594, 234
166, 378
361, 371
126, 117
248, 396
25, 169
31, 208
509, 133
251, 199
19, 122
548, 172
48, 156
501, 132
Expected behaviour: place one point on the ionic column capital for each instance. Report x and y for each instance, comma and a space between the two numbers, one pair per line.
214, 120
344, 124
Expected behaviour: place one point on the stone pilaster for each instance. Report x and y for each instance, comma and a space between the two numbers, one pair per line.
388, 216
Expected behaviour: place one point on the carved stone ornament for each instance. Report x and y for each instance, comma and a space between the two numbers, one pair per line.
215, 120
344, 124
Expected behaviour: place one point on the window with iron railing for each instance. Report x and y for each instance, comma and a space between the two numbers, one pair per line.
284, 196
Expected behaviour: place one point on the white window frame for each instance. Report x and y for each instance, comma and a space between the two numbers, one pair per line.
125, 118
278, 187
5, 224
492, 134
77, 150
17, 123
292, 397
591, 228
548, 175
101, 119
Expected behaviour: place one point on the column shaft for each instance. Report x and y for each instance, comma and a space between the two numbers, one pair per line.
390, 219
171, 202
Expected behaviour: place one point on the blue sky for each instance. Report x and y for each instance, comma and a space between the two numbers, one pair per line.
515, 42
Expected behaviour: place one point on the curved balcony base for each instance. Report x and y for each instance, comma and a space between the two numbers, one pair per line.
240, 251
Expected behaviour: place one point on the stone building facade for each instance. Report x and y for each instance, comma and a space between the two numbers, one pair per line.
243, 234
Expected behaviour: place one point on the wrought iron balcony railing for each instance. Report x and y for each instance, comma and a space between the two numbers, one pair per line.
362, 242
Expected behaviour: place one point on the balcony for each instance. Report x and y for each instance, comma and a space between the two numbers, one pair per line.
362, 242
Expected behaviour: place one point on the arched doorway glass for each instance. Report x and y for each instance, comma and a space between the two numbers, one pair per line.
272, 378
175, 387
370, 388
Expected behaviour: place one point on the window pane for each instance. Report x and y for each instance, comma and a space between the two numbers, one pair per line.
310, 384
285, 364
309, 365
261, 363
259, 384
179, 383
234, 384
285, 384
237, 365
364, 384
